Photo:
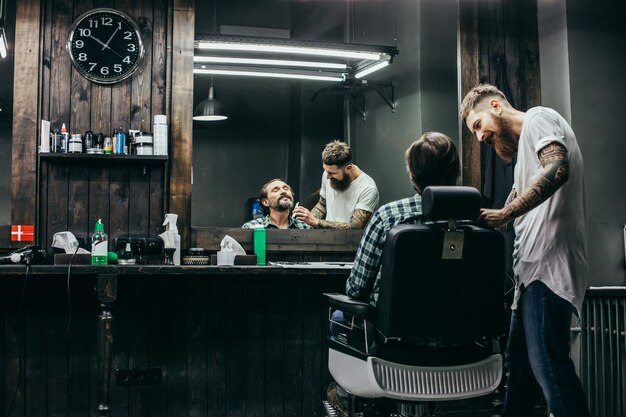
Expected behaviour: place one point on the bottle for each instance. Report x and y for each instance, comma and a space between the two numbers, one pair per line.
160, 134
259, 245
65, 139
172, 229
107, 146
99, 245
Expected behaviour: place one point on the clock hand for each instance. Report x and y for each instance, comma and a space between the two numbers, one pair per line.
106, 45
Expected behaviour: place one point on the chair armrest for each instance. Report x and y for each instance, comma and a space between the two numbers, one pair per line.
355, 308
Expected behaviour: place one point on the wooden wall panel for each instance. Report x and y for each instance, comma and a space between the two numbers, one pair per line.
25, 112
129, 200
490, 31
181, 121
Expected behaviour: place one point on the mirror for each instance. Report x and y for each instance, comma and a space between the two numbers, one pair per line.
275, 130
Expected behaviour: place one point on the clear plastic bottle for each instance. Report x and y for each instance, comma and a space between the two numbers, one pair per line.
107, 146
99, 245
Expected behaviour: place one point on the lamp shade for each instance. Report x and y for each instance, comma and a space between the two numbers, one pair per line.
209, 109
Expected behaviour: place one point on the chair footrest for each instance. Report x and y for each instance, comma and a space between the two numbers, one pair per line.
438, 383
375, 377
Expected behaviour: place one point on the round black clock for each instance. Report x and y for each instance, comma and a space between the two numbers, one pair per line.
105, 45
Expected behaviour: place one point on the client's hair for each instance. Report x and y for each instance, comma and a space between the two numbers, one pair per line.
432, 160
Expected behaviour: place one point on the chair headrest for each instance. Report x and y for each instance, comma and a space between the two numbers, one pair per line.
450, 202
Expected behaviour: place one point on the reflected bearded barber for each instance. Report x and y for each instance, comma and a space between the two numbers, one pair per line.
348, 196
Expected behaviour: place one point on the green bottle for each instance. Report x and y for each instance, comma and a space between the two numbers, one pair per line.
259, 245
99, 245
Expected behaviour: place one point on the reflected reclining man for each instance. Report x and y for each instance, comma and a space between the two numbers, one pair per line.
277, 203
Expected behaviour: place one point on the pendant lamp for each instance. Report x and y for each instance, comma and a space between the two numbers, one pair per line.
209, 109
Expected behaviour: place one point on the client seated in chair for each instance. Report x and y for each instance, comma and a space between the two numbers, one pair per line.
420, 328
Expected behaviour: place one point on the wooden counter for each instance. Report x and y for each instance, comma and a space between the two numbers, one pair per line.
245, 341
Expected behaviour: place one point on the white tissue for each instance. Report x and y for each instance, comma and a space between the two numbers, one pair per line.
67, 241
229, 242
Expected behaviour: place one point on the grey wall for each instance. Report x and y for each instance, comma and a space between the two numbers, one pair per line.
583, 54
597, 58
426, 79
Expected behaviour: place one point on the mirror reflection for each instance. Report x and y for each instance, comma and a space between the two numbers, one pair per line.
277, 128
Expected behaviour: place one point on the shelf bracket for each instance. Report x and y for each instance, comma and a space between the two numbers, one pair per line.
391, 102
360, 107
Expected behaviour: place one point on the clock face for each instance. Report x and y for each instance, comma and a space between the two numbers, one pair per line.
105, 45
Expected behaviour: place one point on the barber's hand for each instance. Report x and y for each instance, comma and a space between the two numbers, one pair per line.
302, 213
494, 218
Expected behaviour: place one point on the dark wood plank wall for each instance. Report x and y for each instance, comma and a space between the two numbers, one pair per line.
504, 30
244, 345
129, 197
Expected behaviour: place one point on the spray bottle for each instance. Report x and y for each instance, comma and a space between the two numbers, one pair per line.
172, 229
99, 245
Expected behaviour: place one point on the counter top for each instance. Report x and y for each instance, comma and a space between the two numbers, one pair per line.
315, 268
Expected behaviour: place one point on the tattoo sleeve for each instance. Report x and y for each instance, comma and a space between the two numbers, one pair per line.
358, 221
319, 210
555, 173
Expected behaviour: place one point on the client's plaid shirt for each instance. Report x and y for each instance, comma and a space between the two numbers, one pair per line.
364, 280
264, 222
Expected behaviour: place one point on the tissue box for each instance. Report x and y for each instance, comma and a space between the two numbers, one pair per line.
79, 259
239, 259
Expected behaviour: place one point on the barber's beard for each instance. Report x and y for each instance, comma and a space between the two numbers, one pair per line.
341, 185
505, 142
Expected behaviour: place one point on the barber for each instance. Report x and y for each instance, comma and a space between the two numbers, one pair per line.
348, 196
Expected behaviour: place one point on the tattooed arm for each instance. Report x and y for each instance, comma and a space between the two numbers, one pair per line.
553, 158
358, 220
319, 211
316, 217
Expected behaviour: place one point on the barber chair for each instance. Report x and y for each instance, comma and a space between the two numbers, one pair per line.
433, 335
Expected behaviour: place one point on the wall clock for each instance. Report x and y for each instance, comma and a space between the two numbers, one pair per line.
105, 45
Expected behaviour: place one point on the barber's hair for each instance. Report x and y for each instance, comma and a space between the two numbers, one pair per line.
263, 193
432, 160
477, 95
337, 153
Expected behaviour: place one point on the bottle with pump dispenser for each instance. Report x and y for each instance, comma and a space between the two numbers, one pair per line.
172, 230
99, 245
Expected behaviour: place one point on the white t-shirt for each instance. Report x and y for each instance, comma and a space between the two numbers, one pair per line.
362, 194
551, 239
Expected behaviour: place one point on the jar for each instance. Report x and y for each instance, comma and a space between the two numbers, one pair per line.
76, 143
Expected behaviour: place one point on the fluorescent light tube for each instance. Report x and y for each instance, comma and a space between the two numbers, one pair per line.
301, 50
251, 73
269, 62
3, 43
371, 69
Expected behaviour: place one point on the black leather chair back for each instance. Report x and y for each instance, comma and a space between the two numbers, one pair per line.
425, 292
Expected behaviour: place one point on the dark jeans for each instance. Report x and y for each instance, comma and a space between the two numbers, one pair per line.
538, 356
336, 329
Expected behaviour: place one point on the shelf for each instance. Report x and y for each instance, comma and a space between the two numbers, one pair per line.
85, 157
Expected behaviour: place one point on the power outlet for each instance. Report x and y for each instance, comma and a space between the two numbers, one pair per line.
154, 246
138, 376
140, 245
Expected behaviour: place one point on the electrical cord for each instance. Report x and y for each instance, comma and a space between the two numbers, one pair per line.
69, 295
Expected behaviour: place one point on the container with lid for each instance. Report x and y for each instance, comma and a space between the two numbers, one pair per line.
143, 143
76, 143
